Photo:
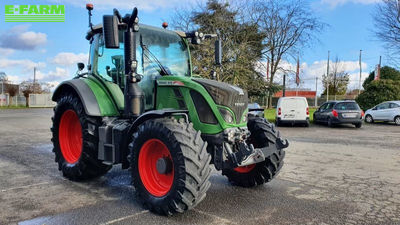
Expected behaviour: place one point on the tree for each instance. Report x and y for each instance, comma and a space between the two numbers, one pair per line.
3, 80
242, 44
288, 26
387, 73
3, 77
337, 80
46, 87
379, 91
12, 91
28, 87
387, 26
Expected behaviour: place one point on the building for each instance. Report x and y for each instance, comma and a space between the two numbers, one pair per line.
297, 92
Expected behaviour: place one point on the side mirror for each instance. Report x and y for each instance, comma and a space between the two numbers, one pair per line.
374, 108
81, 66
110, 31
218, 52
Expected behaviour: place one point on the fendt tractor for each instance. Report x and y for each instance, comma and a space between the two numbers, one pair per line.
138, 105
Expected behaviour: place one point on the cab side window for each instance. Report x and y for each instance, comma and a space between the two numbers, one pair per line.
110, 62
394, 105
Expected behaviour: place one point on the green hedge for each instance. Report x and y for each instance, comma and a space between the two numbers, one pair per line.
379, 91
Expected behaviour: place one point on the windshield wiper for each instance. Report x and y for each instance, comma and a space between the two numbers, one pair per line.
144, 47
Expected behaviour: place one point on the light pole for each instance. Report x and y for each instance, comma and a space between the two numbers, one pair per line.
316, 91
327, 79
359, 81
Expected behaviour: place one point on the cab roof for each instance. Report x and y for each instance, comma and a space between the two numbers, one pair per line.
99, 28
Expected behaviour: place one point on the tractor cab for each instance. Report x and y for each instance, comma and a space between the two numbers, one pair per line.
159, 52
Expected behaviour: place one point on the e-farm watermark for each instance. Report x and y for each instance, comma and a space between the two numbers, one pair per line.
34, 13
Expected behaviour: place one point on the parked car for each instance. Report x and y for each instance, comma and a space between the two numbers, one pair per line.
292, 110
255, 109
339, 112
386, 111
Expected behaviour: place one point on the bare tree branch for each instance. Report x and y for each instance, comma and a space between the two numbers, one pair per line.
387, 26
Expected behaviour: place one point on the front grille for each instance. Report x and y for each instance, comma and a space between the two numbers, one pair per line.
238, 109
227, 95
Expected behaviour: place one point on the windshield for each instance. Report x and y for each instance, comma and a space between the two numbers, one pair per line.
158, 50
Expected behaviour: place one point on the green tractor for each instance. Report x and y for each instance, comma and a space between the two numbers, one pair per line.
139, 106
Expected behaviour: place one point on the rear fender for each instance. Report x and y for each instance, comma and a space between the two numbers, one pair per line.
83, 91
94, 97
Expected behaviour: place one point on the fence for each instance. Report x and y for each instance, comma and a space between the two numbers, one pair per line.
6, 100
311, 101
41, 100
3, 100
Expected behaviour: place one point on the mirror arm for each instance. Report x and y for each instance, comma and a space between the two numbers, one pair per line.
133, 94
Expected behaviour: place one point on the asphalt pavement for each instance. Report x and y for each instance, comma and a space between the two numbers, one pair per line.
337, 175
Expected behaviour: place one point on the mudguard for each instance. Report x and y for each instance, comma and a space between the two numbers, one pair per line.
155, 114
95, 100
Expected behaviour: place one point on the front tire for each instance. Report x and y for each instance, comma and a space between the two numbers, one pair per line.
330, 124
181, 182
263, 134
75, 140
369, 119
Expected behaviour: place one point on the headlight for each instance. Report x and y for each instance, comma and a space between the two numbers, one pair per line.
228, 117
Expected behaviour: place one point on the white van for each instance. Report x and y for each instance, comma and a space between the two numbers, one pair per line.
292, 110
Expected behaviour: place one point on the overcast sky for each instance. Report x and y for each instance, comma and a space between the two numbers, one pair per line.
55, 48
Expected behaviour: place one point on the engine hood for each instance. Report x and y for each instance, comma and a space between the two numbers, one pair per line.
227, 95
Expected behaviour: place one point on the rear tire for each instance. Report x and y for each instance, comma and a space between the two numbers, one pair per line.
397, 120
177, 189
75, 140
307, 124
263, 134
358, 125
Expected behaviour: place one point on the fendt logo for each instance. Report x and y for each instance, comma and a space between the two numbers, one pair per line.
34, 13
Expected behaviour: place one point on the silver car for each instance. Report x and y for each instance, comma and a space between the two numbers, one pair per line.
255, 109
386, 111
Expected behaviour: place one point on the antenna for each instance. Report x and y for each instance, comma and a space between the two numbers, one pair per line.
89, 7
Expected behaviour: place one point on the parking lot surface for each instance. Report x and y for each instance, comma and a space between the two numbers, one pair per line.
337, 175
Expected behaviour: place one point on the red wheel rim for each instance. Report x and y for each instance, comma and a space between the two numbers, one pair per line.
245, 169
70, 136
155, 183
